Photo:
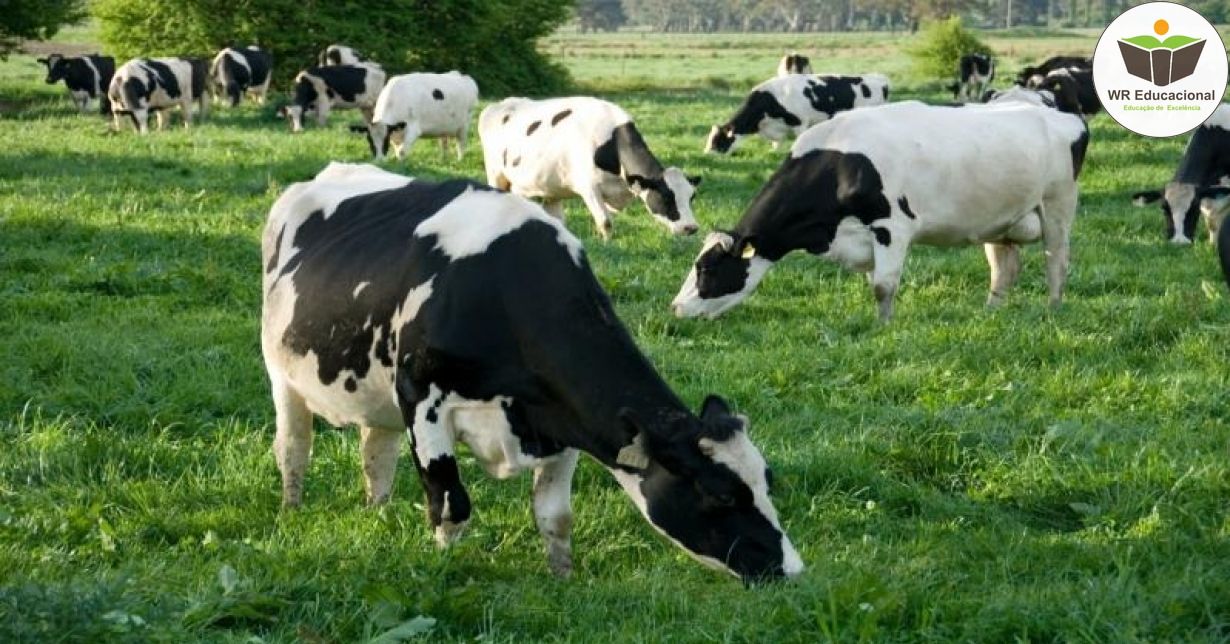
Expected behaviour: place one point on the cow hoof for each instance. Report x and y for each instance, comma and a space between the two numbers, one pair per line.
448, 532
560, 563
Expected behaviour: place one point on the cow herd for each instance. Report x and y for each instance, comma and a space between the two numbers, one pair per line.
464, 312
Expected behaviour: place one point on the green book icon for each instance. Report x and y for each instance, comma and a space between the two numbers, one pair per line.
1161, 62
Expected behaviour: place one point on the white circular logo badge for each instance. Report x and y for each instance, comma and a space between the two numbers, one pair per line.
1160, 69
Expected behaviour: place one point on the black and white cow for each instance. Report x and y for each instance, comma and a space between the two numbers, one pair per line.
788, 105
144, 85
86, 77
339, 55
975, 72
865, 186
1081, 82
794, 63
585, 147
324, 89
434, 106
1199, 185
455, 312
239, 70
1032, 76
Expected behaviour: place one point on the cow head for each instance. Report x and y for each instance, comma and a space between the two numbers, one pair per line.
1030, 77
1182, 204
704, 485
726, 271
380, 135
57, 68
308, 89
722, 139
668, 198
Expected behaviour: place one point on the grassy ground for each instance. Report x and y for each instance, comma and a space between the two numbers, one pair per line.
960, 474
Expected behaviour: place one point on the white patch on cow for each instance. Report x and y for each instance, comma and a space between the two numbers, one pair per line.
98, 88
335, 184
471, 222
852, 246
631, 483
359, 289
408, 310
431, 439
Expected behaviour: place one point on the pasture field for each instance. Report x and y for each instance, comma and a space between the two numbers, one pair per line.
957, 475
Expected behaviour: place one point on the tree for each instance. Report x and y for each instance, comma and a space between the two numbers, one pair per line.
601, 15
35, 20
495, 42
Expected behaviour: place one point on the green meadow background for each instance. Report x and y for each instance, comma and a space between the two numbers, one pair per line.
960, 474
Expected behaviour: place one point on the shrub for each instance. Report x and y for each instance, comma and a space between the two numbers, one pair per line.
34, 20
937, 51
495, 42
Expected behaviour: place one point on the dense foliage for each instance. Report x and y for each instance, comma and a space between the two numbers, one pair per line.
494, 42
937, 51
34, 20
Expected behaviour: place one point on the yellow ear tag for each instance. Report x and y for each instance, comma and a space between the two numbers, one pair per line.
749, 251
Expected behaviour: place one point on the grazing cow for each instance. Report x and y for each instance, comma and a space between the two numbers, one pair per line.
144, 85
780, 107
1033, 76
585, 147
237, 70
1082, 88
339, 55
1199, 185
324, 89
434, 106
794, 63
863, 187
455, 312
86, 77
975, 73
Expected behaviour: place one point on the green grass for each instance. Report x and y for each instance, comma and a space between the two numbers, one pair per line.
960, 474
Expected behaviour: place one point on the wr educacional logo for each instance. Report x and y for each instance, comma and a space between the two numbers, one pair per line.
1161, 62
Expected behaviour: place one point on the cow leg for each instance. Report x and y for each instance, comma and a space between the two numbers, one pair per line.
888, 250
555, 208
431, 436
553, 509
379, 447
443, 141
409, 135
292, 442
461, 141
598, 209
186, 111
162, 117
1057, 215
1005, 261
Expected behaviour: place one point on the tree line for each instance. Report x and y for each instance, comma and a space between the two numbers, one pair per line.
701, 16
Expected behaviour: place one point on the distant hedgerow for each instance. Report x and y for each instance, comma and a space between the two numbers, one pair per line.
495, 42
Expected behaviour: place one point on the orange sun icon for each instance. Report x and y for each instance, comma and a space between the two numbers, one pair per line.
1161, 27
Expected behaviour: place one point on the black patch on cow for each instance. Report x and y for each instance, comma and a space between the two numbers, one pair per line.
883, 237
504, 158
756, 107
866, 91
835, 95
516, 162
797, 64
1078, 153
904, 204
165, 78
533, 442
803, 202
200, 76
626, 154
884, 92
1052, 64
437, 94
432, 415
506, 117
533, 126
350, 384
559, 117
721, 271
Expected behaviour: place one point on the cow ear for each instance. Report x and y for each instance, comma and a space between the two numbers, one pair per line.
44, 61
714, 407
695, 179
1146, 197
1214, 192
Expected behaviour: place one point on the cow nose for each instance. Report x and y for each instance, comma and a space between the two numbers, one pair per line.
688, 229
